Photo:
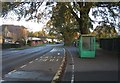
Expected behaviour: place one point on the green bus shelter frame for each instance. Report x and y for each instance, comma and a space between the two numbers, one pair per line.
89, 52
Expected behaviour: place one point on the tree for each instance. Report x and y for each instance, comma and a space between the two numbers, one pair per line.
26, 10
20, 35
63, 23
32, 11
80, 11
84, 20
37, 34
30, 34
80, 14
105, 31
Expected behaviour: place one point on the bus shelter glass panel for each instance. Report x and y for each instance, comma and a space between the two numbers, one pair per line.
87, 46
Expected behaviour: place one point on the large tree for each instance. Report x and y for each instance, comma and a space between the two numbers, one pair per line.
26, 10
79, 11
63, 23
102, 9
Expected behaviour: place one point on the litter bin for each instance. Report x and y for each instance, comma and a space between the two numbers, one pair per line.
87, 44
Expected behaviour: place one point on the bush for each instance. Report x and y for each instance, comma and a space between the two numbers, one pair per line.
5, 46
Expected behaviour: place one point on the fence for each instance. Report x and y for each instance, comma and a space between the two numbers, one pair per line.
110, 44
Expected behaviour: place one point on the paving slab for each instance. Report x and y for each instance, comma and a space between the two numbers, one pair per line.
104, 67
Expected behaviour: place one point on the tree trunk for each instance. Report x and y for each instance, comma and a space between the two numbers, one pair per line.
84, 17
67, 41
83, 23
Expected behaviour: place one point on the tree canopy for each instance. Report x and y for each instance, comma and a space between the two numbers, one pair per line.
67, 18
27, 10
78, 16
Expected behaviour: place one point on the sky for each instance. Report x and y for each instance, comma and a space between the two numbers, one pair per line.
32, 25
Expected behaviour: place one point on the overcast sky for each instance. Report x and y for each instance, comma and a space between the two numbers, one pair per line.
32, 25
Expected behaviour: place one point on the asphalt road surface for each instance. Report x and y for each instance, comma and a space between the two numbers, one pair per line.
34, 64
41, 64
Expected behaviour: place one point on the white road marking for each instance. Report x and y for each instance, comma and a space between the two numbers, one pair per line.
53, 50
73, 67
45, 60
31, 62
23, 66
58, 53
72, 79
14, 51
56, 59
2, 81
9, 73
36, 59
12, 71
51, 59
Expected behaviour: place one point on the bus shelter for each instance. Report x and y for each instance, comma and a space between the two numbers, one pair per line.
87, 44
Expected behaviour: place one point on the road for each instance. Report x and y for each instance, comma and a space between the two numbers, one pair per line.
42, 62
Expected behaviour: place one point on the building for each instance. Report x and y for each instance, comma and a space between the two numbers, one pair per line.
14, 33
34, 41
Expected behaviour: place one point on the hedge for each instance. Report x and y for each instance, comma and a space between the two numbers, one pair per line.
5, 46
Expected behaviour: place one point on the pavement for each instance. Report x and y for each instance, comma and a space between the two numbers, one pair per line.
104, 67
